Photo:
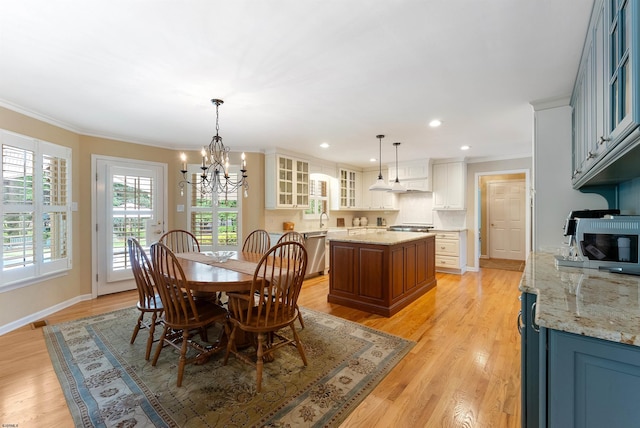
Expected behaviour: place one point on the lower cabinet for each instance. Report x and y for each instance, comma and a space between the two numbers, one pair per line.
591, 382
451, 250
530, 361
569, 380
379, 278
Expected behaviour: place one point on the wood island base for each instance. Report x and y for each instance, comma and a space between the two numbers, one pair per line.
381, 273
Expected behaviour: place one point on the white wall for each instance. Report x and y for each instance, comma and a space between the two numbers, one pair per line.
553, 196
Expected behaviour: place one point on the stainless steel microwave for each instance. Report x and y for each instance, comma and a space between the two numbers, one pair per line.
609, 241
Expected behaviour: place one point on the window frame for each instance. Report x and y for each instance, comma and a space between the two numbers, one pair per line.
194, 171
40, 269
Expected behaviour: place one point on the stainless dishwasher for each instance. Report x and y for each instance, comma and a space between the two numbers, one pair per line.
314, 242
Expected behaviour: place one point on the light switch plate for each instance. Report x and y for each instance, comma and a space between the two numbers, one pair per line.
180, 208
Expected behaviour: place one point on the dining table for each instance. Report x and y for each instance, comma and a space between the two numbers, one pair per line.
204, 274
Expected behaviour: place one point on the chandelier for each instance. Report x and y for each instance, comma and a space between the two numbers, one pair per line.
380, 184
215, 177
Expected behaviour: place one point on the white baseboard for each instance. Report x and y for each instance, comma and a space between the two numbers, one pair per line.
42, 314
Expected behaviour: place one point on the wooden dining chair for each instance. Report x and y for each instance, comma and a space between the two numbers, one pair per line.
184, 315
258, 241
293, 236
270, 306
180, 241
148, 300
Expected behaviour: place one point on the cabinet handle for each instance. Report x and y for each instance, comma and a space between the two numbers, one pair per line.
519, 322
602, 140
576, 172
535, 326
442, 248
591, 155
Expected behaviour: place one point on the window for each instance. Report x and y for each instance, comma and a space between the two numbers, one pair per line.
214, 218
318, 198
36, 209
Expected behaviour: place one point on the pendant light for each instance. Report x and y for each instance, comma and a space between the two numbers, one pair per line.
380, 184
397, 187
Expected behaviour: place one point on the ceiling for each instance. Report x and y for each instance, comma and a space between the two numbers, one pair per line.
294, 74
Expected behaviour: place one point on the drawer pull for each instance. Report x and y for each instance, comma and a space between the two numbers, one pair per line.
535, 326
519, 321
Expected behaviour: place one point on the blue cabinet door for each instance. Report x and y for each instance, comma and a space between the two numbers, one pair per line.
623, 75
530, 348
592, 383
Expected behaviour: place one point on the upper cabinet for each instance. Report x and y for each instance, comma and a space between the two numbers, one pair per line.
349, 189
286, 182
449, 181
376, 200
606, 96
414, 175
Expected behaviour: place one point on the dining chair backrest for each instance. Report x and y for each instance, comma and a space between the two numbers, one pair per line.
143, 274
172, 285
276, 285
258, 241
180, 241
292, 236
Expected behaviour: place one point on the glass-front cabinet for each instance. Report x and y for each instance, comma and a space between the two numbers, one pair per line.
286, 182
606, 95
350, 192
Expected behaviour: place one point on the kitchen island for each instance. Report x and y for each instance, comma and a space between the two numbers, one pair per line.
381, 272
580, 346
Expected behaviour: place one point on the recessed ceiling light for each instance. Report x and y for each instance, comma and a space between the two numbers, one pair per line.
465, 147
373, 160
324, 145
435, 123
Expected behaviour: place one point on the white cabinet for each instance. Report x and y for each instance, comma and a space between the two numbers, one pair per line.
413, 175
349, 189
451, 251
449, 185
286, 182
376, 200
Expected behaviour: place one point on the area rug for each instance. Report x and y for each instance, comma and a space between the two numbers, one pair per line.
107, 381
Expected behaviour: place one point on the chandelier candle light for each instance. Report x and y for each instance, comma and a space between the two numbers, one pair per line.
215, 176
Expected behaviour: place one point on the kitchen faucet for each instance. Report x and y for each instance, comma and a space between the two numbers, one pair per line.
321, 214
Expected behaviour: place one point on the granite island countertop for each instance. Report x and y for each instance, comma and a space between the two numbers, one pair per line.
584, 301
382, 237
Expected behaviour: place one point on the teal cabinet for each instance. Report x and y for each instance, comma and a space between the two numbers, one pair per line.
569, 380
606, 95
592, 383
589, 97
530, 366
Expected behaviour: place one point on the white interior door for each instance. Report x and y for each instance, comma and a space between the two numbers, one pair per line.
506, 218
129, 201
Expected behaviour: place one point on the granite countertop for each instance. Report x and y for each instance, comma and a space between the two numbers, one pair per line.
382, 237
448, 229
584, 301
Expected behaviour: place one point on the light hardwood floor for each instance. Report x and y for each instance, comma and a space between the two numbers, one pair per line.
463, 372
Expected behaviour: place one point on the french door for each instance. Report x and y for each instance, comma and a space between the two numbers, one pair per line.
129, 201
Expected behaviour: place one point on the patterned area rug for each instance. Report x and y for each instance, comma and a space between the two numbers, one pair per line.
107, 381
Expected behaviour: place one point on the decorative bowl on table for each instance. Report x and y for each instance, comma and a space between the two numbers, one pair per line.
220, 256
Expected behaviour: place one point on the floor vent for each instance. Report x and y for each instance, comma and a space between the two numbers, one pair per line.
38, 324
